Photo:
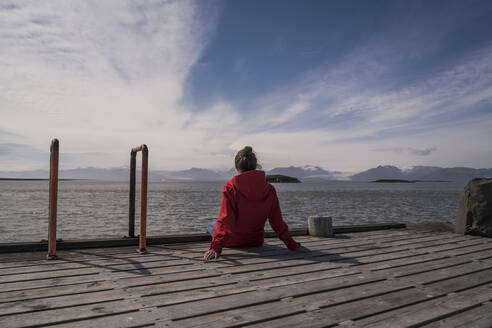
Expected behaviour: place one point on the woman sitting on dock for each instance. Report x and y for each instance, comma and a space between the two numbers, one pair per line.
247, 201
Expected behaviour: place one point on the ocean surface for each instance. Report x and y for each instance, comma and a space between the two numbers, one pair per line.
95, 209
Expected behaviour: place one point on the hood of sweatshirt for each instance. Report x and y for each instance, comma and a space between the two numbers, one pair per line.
252, 185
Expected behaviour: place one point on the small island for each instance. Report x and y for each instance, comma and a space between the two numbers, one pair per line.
405, 181
393, 181
281, 178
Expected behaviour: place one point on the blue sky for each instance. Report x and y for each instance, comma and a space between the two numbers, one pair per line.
346, 85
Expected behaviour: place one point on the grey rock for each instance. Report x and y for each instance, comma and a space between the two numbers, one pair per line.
475, 212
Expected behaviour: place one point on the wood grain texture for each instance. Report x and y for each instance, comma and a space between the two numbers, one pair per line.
391, 278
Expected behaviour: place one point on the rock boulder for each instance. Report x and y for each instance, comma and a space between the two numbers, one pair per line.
475, 212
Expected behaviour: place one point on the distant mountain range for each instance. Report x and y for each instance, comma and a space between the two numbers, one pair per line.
194, 173
122, 173
308, 173
303, 173
461, 174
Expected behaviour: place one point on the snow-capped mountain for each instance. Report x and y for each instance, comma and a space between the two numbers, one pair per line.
307, 173
422, 173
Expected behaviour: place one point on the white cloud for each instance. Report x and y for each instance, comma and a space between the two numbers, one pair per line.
410, 150
465, 145
278, 115
428, 116
101, 76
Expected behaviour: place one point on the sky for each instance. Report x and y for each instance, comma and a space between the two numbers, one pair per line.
345, 85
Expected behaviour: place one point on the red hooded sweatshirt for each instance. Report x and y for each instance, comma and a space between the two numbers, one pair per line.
247, 201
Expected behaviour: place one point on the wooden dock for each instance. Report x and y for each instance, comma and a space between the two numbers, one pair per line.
391, 278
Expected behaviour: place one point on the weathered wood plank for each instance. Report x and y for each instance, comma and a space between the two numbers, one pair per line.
260, 272
416, 268
142, 318
479, 317
460, 282
267, 272
74, 262
240, 286
350, 279
185, 310
340, 239
294, 262
322, 310
354, 313
346, 311
436, 275
69, 314
128, 252
55, 291
287, 307
56, 282
41, 304
11, 279
137, 263
422, 278
145, 264
427, 258
434, 310
409, 252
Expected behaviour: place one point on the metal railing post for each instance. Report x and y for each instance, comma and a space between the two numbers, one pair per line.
143, 201
54, 151
131, 210
142, 248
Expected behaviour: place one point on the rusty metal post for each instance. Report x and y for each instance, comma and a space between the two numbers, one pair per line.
54, 150
143, 201
142, 247
131, 211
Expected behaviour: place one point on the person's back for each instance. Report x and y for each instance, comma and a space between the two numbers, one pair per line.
248, 201
253, 197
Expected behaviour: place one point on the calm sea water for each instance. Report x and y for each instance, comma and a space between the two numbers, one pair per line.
94, 209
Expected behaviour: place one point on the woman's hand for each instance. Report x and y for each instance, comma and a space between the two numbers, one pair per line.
210, 255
